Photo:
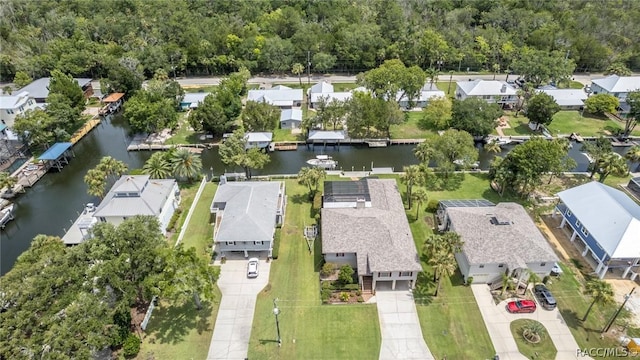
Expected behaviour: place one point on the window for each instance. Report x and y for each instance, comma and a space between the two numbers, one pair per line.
257, 243
578, 223
231, 243
481, 266
9, 111
568, 212
543, 264
103, 219
384, 274
340, 255
406, 273
585, 232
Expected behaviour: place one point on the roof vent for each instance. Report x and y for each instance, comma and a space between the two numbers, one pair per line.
495, 221
504, 88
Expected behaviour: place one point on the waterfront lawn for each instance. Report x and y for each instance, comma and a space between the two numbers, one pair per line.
567, 122
200, 232
542, 350
409, 129
184, 134
309, 329
286, 135
518, 126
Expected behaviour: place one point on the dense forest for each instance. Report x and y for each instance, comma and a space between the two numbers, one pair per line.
204, 37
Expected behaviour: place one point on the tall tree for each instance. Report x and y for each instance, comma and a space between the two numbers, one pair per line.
420, 196
22, 79
234, 151
541, 108
444, 265
96, 182
298, 69
312, 178
210, 117
601, 103
35, 127
611, 164
7, 182
633, 100
596, 150
633, 155
260, 116
600, 291
437, 114
186, 164
412, 175
475, 116
67, 86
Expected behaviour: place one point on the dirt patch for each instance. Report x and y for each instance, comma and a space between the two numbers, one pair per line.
564, 248
621, 288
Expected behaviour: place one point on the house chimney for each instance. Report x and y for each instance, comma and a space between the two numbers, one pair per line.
504, 88
360, 204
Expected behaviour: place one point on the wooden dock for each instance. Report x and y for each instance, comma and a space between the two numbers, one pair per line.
287, 145
84, 130
406, 141
377, 144
196, 148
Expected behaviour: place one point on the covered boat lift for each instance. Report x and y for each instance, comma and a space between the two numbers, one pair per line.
57, 155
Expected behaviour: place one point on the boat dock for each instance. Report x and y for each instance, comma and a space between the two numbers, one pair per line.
287, 145
377, 144
406, 141
85, 129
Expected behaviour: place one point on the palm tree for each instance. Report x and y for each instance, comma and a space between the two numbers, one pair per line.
412, 175
505, 283
533, 330
444, 265
304, 178
453, 242
493, 147
600, 291
424, 152
112, 167
186, 164
420, 196
157, 166
532, 279
96, 182
612, 164
432, 75
432, 245
298, 69
7, 181
633, 155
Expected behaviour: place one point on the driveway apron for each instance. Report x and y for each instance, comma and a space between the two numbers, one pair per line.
232, 330
400, 327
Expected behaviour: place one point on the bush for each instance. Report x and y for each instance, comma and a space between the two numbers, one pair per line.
316, 204
360, 299
346, 275
328, 285
131, 346
344, 296
174, 219
469, 281
432, 205
276, 244
328, 269
350, 287
325, 295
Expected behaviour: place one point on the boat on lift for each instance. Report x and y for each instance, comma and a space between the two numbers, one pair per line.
323, 161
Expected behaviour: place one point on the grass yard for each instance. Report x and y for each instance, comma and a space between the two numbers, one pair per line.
410, 129
567, 122
340, 87
286, 135
542, 350
182, 332
309, 329
449, 90
197, 89
184, 134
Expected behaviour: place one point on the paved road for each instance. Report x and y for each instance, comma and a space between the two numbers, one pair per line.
400, 327
232, 330
498, 320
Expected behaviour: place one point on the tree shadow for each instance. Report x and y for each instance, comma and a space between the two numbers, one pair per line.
299, 198
425, 286
267, 341
572, 319
170, 324
318, 260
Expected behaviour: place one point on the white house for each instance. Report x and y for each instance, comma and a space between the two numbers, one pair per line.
290, 119
246, 214
135, 195
491, 91
363, 224
606, 224
497, 239
428, 91
260, 140
618, 86
281, 96
14, 105
567, 99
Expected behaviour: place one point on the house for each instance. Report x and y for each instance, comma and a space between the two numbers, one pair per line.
321, 87
567, 99
39, 89
192, 100
316, 98
427, 92
260, 140
497, 239
618, 86
373, 236
246, 214
492, 91
326, 136
14, 105
634, 187
112, 103
281, 96
135, 195
606, 224
290, 119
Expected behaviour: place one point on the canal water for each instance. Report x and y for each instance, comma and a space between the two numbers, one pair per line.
52, 204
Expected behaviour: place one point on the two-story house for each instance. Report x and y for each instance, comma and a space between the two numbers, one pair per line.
14, 105
491, 91
618, 86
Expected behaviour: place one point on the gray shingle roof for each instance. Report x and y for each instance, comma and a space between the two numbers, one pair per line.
380, 235
153, 196
39, 88
249, 210
486, 243
566, 97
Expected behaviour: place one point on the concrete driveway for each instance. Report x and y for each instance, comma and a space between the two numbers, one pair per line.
400, 327
233, 324
498, 321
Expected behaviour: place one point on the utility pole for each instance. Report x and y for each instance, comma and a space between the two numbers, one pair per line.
626, 297
308, 67
276, 312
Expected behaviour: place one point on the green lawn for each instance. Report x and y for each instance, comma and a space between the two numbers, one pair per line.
309, 329
340, 87
184, 134
182, 332
409, 129
286, 135
542, 350
450, 90
196, 89
564, 123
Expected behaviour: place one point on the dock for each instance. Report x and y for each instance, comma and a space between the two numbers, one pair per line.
286, 145
377, 144
406, 141
85, 129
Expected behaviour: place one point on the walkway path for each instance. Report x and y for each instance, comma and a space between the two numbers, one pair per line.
400, 327
232, 330
498, 321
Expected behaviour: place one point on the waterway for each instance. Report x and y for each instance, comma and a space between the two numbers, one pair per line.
51, 205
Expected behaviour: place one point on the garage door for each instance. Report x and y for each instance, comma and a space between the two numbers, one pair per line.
480, 278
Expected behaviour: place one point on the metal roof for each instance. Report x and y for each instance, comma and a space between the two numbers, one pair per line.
113, 97
466, 203
326, 135
54, 152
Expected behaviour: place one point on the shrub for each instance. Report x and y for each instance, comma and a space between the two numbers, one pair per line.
344, 296
328, 269
346, 275
328, 285
325, 295
360, 299
174, 219
432, 205
350, 287
358, 292
276, 244
317, 203
469, 281
131, 346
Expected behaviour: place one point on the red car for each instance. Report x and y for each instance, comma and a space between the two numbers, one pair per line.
521, 306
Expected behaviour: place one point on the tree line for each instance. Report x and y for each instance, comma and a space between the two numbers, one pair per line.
137, 37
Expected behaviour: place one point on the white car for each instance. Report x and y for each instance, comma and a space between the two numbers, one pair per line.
252, 268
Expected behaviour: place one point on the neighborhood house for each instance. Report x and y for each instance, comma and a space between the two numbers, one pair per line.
39, 89
258, 140
246, 214
281, 96
428, 91
14, 105
491, 91
363, 224
618, 86
567, 99
497, 239
606, 223
193, 100
290, 119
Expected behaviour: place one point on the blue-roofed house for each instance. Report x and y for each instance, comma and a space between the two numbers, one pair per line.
290, 119
192, 100
246, 214
606, 224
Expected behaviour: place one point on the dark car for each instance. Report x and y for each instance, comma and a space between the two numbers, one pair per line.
521, 306
544, 297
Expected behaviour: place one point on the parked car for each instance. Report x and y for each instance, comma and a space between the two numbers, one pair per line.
252, 268
544, 297
521, 306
